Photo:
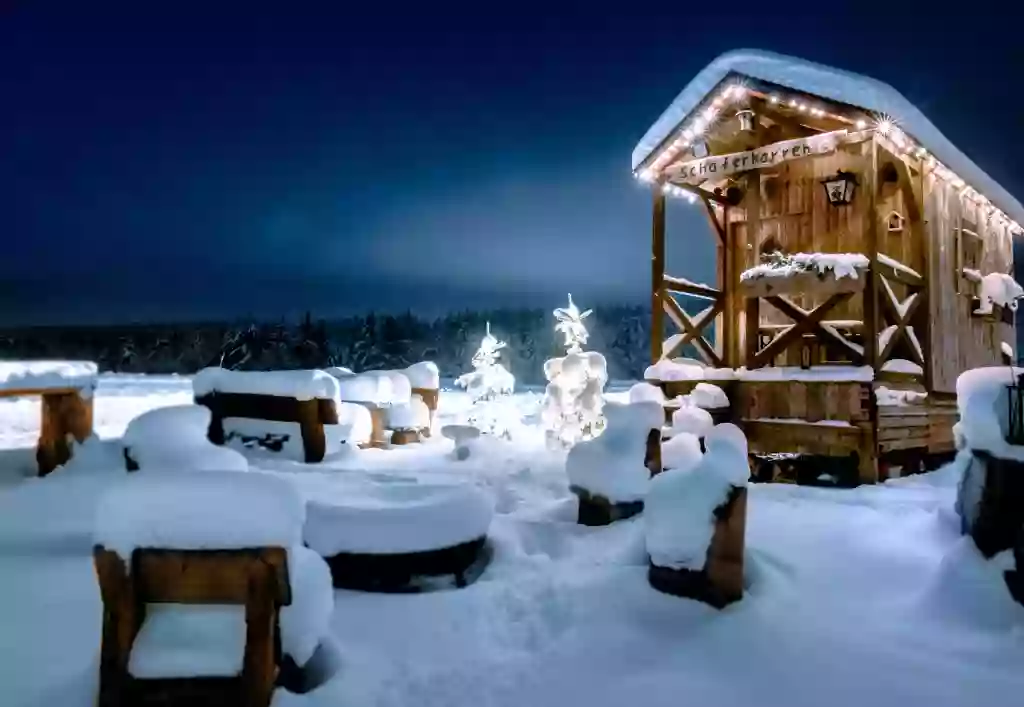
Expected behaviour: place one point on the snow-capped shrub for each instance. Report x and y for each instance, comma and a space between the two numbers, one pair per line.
707, 395
690, 419
645, 392
487, 384
679, 511
612, 465
574, 398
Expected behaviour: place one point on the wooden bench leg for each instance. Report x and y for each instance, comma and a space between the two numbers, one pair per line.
314, 440
63, 414
259, 665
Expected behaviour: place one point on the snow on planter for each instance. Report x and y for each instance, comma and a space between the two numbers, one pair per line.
174, 439
386, 536
681, 452
814, 373
306, 620
694, 522
198, 511
612, 466
413, 415
836, 265
982, 401
889, 396
44, 375
300, 385
1000, 290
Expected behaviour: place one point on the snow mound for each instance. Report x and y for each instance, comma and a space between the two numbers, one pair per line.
301, 385
307, 619
423, 375
682, 452
413, 415
376, 387
612, 465
667, 370
707, 395
838, 265
174, 438
968, 589
181, 640
646, 393
982, 400
199, 511
998, 289
814, 373
689, 419
902, 365
679, 512
888, 396
391, 518
44, 375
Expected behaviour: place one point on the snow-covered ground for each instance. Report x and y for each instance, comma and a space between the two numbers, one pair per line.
856, 597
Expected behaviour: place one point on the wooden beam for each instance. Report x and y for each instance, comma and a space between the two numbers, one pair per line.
657, 274
897, 274
683, 321
871, 328
685, 287
700, 322
753, 333
736, 308
804, 323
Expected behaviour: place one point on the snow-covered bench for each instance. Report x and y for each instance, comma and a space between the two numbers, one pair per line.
174, 438
205, 588
309, 398
66, 389
386, 536
402, 403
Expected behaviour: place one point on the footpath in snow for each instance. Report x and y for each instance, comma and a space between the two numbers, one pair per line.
855, 597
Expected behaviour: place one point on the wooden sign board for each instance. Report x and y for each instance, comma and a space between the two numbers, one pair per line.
697, 171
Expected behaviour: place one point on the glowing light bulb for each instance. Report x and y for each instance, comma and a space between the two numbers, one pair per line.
861, 124
884, 126
774, 99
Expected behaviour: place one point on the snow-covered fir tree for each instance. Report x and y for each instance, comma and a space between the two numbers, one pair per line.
574, 398
489, 385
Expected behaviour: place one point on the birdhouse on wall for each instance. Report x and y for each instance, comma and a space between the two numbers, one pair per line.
896, 222
746, 118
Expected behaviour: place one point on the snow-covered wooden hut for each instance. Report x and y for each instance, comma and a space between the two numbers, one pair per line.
864, 261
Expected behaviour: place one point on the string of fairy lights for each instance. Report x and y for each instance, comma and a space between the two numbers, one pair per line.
882, 125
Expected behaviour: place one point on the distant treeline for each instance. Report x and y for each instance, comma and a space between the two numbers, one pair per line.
360, 343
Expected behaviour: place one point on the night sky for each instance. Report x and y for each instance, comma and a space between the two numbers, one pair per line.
207, 160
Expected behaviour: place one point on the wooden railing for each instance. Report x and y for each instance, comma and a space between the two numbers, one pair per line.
691, 330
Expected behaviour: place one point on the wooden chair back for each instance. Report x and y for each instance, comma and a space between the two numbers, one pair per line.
256, 578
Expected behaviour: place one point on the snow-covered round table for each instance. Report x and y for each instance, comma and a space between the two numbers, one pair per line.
384, 536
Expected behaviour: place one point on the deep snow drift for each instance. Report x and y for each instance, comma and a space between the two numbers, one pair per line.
865, 596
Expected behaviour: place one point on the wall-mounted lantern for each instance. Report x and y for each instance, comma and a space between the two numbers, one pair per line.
840, 187
746, 118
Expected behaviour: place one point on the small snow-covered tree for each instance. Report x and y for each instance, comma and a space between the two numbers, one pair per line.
487, 384
574, 398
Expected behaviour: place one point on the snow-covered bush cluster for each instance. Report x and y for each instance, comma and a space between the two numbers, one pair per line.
679, 511
982, 397
839, 265
574, 397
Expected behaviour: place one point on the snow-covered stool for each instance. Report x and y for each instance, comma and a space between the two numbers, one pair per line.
395, 536
377, 391
426, 384
695, 522
308, 398
196, 573
610, 473
175, 438
66, 389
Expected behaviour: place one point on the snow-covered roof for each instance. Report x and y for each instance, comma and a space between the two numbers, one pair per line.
828, 83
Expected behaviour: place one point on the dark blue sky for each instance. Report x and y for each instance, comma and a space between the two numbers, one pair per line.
198, 160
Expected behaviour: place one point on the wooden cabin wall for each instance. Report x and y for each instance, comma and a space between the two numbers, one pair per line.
960, 341
797, 217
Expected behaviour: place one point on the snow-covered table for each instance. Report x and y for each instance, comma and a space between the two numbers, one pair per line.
385, 535
66, 389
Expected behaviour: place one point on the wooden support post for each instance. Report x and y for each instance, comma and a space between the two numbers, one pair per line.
867, 470
753, 318
657, 274
64, 414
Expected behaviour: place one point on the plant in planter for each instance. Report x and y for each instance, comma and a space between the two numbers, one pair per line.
490, 385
